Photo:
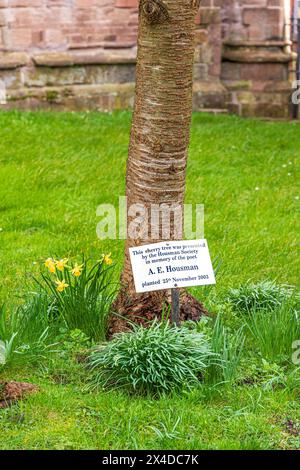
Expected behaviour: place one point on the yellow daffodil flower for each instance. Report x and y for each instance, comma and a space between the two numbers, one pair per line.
61, 264
107, 259
77, 270
61, 285
52, 268
50, 264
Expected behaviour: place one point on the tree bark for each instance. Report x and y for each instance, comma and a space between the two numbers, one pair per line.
156, 167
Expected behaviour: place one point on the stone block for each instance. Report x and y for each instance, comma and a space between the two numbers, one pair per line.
102, 74
209, 95
53, 59
263, 23
11, 78
209, 16
230, 71
200, 72
13, 60
255, 54
266, 71
54, 76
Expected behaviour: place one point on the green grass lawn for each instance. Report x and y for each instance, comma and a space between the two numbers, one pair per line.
55, 170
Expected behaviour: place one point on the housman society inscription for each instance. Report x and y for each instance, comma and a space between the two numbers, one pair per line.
167, 265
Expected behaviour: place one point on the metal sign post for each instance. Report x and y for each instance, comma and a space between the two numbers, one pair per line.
175, 308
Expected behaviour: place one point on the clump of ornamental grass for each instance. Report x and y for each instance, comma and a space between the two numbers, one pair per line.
274, 332
155, 360
83, 294
266, 295
227, 346
26, 334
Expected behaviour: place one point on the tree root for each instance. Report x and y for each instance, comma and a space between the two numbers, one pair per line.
142, 309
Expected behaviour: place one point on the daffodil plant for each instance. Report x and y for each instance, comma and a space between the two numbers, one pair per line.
83, 292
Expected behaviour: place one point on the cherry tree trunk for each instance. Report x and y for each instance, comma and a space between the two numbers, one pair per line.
156, 167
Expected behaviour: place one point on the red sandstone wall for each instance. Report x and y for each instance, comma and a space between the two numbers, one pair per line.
253, 20
78, 54
30, 25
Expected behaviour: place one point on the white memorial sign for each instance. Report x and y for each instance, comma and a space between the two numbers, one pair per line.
168, 265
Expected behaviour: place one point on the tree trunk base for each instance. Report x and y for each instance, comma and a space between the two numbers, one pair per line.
142, 309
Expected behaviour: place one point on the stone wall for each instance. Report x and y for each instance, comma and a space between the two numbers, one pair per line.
58, 25
257, 57
209, 92
68, 54
80, 54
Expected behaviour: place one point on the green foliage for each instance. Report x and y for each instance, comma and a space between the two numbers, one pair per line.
73, 341
265, 295
292, 379
63, 416
152, 360
29, 320
258, 372
6, 350
227, 347
273, 332
66, 366
27, 332
266, 375
49, 190
84, 300
166, 431
70, 297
